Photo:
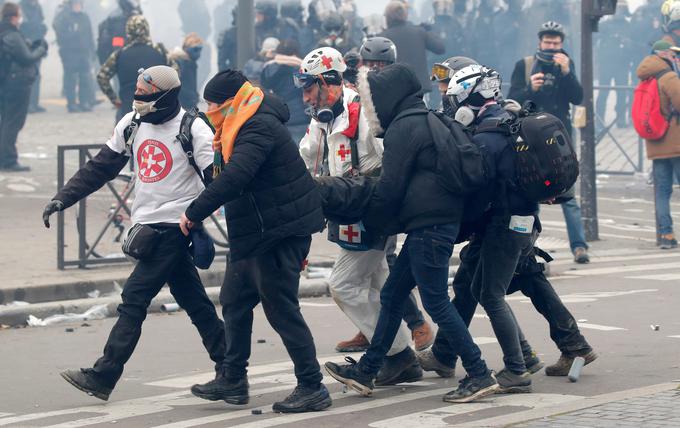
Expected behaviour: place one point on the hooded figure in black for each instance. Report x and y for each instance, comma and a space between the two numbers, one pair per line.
409, 198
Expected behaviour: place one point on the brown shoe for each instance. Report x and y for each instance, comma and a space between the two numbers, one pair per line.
563, 365
358, 343
423, 336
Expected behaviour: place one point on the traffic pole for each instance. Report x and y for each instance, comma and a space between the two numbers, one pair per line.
245, 32
588, 165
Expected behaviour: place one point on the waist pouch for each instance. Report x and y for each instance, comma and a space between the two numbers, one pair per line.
354, 237
141, 241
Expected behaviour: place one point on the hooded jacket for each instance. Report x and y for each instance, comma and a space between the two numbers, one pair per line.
669, 93
267, 192
408, 190
277, 77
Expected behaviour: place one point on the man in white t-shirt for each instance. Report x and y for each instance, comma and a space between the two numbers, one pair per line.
166, 183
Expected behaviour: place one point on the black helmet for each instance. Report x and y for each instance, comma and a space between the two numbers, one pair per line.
130, 7
267, 8
292, 9
552, 28
379, 49
333, 24
443, 71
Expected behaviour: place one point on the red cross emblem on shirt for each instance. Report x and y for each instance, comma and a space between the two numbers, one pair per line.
327, 62
349, 233
343, 152
155, 161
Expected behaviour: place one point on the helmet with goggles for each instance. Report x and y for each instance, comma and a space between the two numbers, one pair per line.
443, 71
324, 65
474, 85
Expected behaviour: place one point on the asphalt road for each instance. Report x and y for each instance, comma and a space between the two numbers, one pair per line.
616, 299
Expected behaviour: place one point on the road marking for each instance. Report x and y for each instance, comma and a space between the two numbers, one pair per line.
435, 418
4, 415
186, 381
659, 277
622, 258
598, 327
624, 269
608, 223
368, 404
587, 296
606, 235
317, 305
674, 337
484, 340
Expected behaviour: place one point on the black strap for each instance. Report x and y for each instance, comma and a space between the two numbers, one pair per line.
129, 134
542, 254
410, 112
186, 138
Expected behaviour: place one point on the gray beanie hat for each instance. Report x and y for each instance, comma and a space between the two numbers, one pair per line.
159, 77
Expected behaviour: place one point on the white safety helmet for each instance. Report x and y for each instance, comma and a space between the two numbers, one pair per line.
322, 60
473, 85
671, 12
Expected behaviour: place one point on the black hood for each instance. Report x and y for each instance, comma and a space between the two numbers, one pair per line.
274, 106
387, 93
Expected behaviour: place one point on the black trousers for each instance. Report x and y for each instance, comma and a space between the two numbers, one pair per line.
531, 281
272, 278
14, 100
170, 263
78, 80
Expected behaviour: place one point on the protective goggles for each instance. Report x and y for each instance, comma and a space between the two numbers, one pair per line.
441, 72
304, 80
147, 78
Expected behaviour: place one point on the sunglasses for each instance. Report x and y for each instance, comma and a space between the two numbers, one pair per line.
304, 80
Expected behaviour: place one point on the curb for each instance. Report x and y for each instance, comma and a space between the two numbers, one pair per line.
80, 289
17, 315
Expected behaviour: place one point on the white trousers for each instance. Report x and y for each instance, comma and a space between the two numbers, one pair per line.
355, 286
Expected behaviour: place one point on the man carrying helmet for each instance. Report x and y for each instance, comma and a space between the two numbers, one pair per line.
338, 143
548, 79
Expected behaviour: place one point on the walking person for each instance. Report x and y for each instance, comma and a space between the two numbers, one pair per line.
548, 79
186, 58
339, 143
272, 208
410, 198
164, 186
18, 70
34, 29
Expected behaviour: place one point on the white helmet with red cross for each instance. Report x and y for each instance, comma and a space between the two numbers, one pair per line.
322, 60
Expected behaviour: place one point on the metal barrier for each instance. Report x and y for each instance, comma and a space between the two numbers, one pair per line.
638, 163
87, 254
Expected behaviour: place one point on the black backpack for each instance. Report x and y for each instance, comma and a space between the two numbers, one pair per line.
185, 137
462, 167
545, 160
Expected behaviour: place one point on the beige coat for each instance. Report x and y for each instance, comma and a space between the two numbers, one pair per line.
669, 91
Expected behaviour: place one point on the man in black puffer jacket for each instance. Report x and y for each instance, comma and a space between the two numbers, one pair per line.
411, 199
272, 209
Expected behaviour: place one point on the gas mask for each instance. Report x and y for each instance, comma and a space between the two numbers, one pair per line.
326, 114
465, 115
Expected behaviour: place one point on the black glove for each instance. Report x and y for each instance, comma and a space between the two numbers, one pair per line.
51, 208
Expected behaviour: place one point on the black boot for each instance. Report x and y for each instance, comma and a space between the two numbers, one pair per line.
352, 376
232, 391
400, 368
86, 381
305, 399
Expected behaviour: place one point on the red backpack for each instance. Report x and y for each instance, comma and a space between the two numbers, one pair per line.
649, 121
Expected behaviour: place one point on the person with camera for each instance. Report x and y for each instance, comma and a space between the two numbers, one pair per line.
18, 71
548, 79
167, 181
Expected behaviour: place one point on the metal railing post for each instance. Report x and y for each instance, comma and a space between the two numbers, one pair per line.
60, 215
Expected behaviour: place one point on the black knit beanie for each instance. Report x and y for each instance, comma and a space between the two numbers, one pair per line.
223, 86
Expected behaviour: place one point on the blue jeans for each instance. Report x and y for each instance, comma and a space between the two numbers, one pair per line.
423, 260
664, 170
572, 215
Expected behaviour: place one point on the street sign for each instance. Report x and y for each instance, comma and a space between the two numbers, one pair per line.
602, 8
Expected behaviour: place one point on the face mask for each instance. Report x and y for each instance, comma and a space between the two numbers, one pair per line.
325, 114
194, 52
547, 55
154, 107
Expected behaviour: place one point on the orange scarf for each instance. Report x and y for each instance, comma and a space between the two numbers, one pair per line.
228, 120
